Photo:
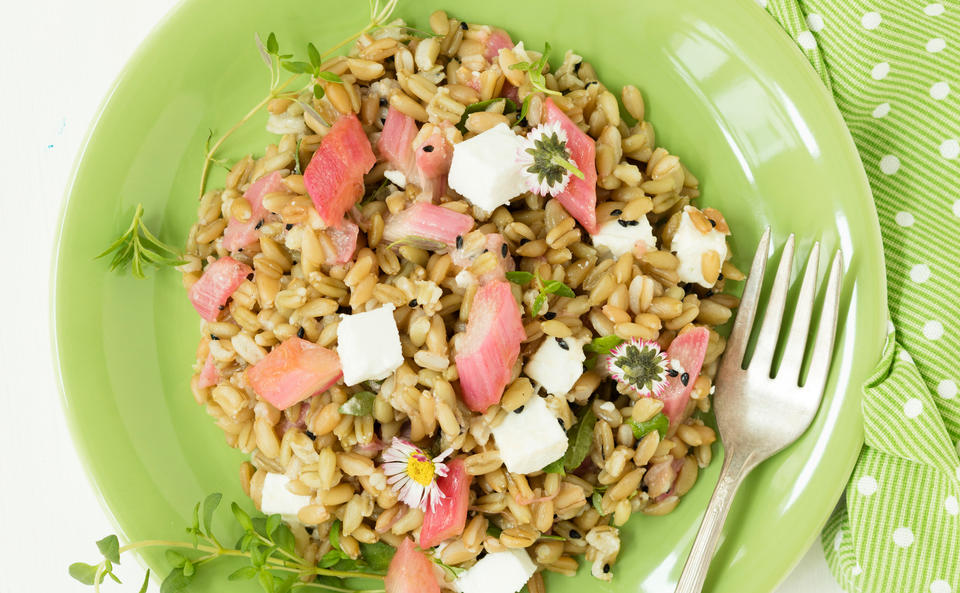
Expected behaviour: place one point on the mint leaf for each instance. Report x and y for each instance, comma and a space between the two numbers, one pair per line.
361, 404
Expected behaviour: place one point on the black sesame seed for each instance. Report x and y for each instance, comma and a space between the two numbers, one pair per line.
289, 226
484, 251
428, 148
708, 294
518, 410
562, 343
220, 307
591, 83
672, 372
633, 222
309, 529
413, 303
606, 568
259, 224
685, 378
383, 101
719, 276
301, 332
623, 223
504, 250
713, 222
312, 437
241, 249
574, 534
524, 241
616, 212
549, 315
213, 337
344, 310
383, 120
463, 26
459, 241
577, 67
250, 276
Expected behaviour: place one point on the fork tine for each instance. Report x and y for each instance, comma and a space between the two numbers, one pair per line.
740, 335
826, 332
770, 330
800, 328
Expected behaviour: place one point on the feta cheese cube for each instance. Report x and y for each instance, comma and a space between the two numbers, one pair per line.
530, 439
499, 572
691, 245
369, 345
397, 177
276, 499
557, 364
621, 236
485, 170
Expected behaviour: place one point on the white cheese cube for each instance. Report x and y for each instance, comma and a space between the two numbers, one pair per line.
619, 237
499, 572
277, 500
397, 177
369, 345
557, 366
485, 170
530, 439
690, 245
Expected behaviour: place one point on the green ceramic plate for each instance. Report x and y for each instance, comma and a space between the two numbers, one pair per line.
726, 90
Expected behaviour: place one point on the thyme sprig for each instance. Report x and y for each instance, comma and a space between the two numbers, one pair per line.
547, 288
267, 545
138, 247
535, 71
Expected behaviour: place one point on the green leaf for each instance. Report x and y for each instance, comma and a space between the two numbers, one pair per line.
556, 538
361, 404
83, 572
314, 55
242, 574
538, 304
188, 569
659, 423
334, 535
286, 584
110, 548
508, 107
266, 581
329, 77
318, 91
273, 521
580, 438
331, 558
283, 537
260, 526
296, 67
493, 530
525, 107
555, 467
597, 500
210, 504
603, 345
272, 46
242, 517
520, 277
558, 288
522, 66
175, 558
146, 582
377, 555
175, 582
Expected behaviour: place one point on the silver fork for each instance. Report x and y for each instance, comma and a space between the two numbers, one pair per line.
758, 415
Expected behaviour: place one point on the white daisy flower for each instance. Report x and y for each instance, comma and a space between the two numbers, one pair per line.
413, 475
545, 160
641, 366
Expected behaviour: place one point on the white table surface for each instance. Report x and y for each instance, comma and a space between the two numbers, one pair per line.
59, 57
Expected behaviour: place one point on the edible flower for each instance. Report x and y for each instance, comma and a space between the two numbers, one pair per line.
640, 365
413, 474
545, 160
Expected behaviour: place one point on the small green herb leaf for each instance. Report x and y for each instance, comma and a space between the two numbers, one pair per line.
137, 245
334, 535
83, 572
273, 521
556, 538
580, 438
264, 55
597, 500
538, 304
242, 574
598, 346
283, 537
188, 569
525, 107
314, 55
318, 91
520, 277
242, 517
146, 582
659, 423
110, 548
558, 288
296, 67
494, 530
329, 77
377, 555
266, 581
272, 46
555, 467
175, 559
210, 504
361, 404
175, 582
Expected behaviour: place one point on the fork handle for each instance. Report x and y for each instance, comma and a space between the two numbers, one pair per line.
735, 469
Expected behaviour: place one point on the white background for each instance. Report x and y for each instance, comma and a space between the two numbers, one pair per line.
57, 61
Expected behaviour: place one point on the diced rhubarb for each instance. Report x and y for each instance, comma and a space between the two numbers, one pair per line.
344, 239
334, 177
498, 39
396, 142
220, 279
428, 226
490, 347
433, 157
449, 516
293, 371
240, 234
410, 571
686, 354
510, 92
209, 375
464, 258
580, 195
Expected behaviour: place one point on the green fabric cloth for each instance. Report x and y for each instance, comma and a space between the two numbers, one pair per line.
893, 67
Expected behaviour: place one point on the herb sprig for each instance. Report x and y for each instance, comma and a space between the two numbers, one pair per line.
138, 247
546, 288
267, 545
380, 11
579, 437
535, 71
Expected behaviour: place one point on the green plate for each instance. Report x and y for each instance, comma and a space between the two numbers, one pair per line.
726, 90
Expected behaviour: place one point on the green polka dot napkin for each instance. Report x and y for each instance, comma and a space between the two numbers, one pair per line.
894, 69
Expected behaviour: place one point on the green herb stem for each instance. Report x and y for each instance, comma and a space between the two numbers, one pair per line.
566, 164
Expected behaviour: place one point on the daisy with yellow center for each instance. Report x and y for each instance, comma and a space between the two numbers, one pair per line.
413, 474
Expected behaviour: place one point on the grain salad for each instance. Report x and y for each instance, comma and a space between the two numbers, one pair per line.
464, 305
